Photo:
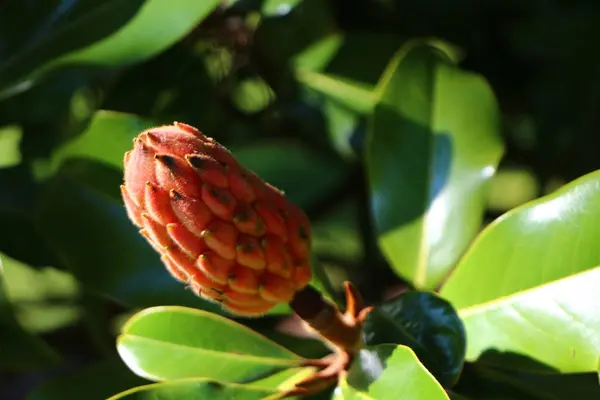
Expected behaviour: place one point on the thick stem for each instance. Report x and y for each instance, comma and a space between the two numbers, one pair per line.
341, 330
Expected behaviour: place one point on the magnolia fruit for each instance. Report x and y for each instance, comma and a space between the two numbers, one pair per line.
234, 238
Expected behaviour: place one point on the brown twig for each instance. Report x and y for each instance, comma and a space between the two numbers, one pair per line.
342, 332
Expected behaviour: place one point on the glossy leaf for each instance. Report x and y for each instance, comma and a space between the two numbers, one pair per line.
108, 34
432, 146
165, 343
96, 381
428, 325
197, 389
82, 217
389, 372
528, 285
19, 349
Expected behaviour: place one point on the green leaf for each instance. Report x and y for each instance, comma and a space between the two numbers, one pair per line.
280, 37
165, 343
113, 33
197, 389
428, 325
19, 350
107, 138
528, 287
433, 143
82, 216
389, 372
96, 381
349, 93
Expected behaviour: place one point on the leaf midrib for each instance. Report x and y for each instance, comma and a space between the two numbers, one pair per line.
221, 354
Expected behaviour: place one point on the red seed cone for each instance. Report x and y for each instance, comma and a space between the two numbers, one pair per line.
218, 226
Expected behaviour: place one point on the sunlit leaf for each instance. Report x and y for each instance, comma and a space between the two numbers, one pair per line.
528, 287
164, 343
101, 33
389, 372
433, 144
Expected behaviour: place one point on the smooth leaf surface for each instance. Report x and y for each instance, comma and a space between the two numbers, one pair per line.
165, 343
197, 389
389, 372
433, 143
97, 381
18, 348
113, 33
428, 325
529, 284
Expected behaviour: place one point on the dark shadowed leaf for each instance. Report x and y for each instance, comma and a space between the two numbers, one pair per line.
16, 211
197, 389
433, 143
106, 33
482, 383
527, 290
427, 324
82, 216
96, 381
165, 343
389, 372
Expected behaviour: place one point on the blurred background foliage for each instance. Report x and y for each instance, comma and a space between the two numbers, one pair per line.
251, 74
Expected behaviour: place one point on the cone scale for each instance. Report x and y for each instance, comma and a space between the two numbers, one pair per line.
218, 227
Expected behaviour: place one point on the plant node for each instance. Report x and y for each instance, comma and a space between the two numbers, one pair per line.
342, 332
